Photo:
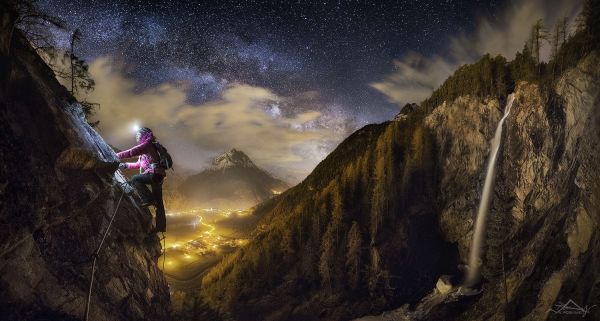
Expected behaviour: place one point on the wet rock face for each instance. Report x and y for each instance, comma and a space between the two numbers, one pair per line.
545, 210
58, 191
546, 201
462, 130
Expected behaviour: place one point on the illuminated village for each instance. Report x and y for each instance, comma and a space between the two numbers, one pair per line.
196, 240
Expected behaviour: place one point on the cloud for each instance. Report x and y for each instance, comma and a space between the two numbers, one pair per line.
289, 144
416, 75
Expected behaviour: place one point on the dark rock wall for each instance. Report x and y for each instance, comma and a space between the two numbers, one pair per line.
57, 193
545, 210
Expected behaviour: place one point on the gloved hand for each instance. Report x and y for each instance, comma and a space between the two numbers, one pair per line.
122, 166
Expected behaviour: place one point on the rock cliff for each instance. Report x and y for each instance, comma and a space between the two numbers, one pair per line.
58, 191
545, 210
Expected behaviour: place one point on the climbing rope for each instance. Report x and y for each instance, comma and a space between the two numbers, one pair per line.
95, 256
164, 250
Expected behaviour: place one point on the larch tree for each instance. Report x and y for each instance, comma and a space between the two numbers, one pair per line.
353, 255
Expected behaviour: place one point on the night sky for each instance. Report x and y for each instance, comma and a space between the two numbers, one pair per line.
322, 56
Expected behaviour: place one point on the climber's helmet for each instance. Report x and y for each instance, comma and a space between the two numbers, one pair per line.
141, 132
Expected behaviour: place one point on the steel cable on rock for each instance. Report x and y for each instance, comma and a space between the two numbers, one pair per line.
164, 249
95, 256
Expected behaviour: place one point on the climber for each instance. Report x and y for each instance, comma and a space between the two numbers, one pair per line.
152, 172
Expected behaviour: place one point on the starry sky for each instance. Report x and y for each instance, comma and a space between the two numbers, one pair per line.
291, 78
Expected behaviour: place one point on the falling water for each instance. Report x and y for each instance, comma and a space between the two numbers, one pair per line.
476, 246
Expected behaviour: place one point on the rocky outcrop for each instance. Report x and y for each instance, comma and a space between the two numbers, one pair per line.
462, 129
58, 190
405, 111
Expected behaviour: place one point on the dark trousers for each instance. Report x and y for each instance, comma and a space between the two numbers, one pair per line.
140, 183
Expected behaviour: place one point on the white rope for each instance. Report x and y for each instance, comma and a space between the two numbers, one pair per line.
95, 256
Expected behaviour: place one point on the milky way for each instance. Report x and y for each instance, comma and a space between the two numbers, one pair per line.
319, 61
335, 47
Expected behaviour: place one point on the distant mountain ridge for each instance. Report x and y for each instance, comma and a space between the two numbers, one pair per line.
234, 181
233, 158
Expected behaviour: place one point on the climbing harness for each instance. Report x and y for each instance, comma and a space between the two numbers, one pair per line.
95, 256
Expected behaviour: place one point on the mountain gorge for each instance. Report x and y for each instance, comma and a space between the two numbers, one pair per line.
392, 209
380, 230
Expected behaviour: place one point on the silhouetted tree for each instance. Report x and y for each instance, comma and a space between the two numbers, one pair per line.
80, 75
538, 36
523, 67
36, 25
82, 82
557, 38
591, 18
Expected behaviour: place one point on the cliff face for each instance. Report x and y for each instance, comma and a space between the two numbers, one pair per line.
545, 209
546, 201
58, 191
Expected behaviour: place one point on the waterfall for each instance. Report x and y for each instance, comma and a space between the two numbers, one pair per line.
478, 235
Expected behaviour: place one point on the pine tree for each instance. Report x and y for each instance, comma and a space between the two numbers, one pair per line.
75, 37
559, 37
564, 28
374, 271
591, 18
353, 255
523, 67
326, 260
82, 82
556, 40
538, 36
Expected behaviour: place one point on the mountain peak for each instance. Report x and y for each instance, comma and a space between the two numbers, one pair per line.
232, 158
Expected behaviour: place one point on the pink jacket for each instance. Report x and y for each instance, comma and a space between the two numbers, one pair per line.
147, 153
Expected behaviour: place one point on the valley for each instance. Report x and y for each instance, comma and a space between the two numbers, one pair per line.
197, 239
